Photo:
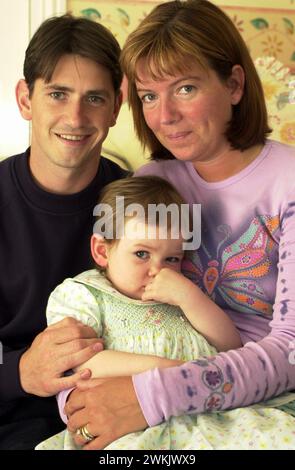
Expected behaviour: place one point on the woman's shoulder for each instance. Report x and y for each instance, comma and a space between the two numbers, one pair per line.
163, 168
280, 152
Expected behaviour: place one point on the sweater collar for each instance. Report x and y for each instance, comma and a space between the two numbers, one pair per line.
50, 202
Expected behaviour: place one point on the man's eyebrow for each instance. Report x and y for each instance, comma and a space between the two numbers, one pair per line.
100, 92
58, 87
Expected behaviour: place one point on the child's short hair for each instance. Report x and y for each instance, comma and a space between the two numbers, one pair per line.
142, 190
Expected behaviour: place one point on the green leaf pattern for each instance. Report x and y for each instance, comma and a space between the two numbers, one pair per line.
91, 13
260, 23
288, 25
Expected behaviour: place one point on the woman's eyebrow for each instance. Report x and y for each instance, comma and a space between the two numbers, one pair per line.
175, 82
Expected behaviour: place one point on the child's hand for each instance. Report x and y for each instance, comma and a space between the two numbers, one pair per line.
168, 286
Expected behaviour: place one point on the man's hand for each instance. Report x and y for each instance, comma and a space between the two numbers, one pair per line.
108, 407
60, 347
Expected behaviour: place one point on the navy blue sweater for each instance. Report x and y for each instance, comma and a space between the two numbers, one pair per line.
44, 238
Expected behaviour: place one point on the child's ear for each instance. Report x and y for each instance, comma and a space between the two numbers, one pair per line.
99, 250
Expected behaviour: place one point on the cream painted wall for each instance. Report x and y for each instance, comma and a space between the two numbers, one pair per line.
20, 18
268, 27
14, 132
18, 21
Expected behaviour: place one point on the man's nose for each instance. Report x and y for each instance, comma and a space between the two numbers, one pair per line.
76, 116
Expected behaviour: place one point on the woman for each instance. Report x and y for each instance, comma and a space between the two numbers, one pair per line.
198, 106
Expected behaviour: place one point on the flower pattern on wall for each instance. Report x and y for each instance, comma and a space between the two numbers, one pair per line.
268, 31
279, 89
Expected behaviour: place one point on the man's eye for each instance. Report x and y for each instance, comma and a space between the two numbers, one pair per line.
94, 99
57, 95
141, 254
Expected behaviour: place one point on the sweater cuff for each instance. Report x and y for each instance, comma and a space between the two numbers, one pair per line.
10, 385
148, 381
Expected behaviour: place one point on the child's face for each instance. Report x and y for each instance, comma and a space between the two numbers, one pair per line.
134, 260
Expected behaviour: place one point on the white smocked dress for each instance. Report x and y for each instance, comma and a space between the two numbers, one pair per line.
160, 329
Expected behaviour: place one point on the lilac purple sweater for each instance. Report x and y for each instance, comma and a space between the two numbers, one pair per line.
246, 264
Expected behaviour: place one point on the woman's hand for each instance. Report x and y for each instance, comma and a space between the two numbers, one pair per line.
108, 407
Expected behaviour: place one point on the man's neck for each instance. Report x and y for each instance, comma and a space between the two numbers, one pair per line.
59, 180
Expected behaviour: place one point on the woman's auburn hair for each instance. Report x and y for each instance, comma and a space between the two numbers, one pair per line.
170, 39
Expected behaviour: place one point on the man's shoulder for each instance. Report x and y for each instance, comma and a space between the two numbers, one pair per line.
8, 163
111, 171
7, 183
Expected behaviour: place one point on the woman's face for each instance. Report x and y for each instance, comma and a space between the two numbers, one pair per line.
189, 112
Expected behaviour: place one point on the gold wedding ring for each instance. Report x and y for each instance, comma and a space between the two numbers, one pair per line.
83, 431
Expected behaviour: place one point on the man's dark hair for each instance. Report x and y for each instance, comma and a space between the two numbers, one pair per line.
67, 34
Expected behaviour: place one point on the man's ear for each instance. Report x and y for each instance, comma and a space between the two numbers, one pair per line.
236, 83
117, 107
23, 99
99, 250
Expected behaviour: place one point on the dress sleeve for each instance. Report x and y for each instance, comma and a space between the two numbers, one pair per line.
73, 299
254, 373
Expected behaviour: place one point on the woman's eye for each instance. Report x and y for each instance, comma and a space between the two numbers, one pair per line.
141, 254
186, 89
148, 98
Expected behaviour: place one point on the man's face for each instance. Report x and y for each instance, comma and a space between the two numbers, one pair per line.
71, 116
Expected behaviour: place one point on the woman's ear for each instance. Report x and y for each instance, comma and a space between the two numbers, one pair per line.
236, 83
22, 94
99, 250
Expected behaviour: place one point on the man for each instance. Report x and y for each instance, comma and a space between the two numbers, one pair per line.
71, 95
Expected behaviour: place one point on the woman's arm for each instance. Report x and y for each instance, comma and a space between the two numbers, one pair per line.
111, 363
205, 316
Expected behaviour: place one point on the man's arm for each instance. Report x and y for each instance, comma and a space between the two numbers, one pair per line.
60, 347
39, 369
10, 388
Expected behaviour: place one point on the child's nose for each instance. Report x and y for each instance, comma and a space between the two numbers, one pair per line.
155, 268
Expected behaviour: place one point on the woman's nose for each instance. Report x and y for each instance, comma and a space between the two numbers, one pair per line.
169, 113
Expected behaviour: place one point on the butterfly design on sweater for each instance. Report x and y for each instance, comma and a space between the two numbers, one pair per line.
236, 269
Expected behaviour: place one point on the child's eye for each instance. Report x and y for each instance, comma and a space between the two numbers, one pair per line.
173, 259
142, 254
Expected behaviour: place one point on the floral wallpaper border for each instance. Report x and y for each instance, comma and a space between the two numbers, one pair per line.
269, 32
